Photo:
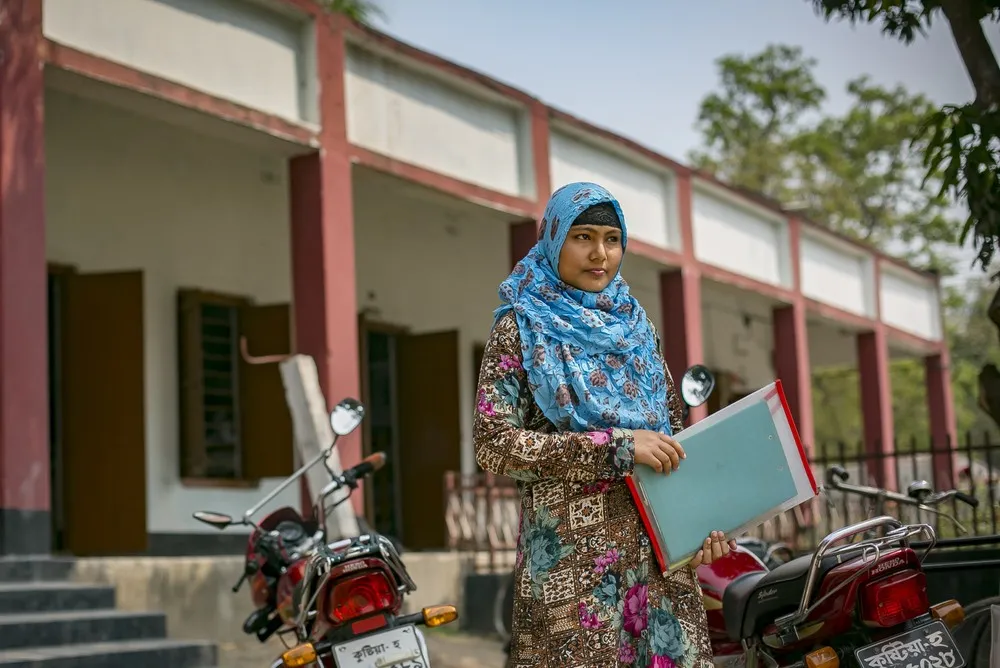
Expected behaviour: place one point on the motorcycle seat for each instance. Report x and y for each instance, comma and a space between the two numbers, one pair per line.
754, 600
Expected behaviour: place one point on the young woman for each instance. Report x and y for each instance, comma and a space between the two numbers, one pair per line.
573, 393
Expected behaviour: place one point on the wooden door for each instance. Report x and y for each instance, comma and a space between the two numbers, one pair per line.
104, 419
429, 433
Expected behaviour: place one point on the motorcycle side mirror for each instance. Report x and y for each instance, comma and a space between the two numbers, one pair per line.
217, 520
346, 416
697, 385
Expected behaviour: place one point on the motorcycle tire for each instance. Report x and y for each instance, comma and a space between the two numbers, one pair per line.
973, 636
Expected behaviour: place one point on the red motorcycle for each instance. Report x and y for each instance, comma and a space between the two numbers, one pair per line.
859, 602
341, 598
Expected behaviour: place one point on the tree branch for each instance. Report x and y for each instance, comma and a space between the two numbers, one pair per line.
978, 56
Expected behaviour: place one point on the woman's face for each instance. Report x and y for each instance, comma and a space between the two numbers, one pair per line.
590, 257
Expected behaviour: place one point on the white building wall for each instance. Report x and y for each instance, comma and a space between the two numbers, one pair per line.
738, 335
237, 50
910, 302
837, 274
430, 263
645, 192
740, 237
405, 113
125, 193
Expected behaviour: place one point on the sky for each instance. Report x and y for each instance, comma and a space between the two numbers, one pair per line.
642, 71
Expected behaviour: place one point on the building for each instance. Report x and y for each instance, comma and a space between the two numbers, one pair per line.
178, 174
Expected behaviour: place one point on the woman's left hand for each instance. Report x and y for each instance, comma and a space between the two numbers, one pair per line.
715, 547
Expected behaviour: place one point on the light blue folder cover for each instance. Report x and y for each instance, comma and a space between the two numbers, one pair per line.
736, 470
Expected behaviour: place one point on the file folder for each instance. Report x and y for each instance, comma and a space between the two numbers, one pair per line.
745, 464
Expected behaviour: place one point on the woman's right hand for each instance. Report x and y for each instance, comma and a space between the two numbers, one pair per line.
657, 451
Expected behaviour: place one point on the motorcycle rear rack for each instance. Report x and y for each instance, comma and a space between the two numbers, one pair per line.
328, 557
898, 534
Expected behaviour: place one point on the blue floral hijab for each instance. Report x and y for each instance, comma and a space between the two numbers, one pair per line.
592, 358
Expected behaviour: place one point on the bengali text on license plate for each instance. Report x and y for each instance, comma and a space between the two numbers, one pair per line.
928, 646
396, 648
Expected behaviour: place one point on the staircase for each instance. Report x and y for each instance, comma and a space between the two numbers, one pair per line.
46, 621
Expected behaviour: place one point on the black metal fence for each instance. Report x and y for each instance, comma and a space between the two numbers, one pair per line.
971, 466
482, 509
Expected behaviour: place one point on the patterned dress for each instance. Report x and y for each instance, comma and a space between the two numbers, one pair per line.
588, 591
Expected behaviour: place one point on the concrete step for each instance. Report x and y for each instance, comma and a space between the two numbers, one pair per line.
127, 654
22, 569
26, 597
44, 629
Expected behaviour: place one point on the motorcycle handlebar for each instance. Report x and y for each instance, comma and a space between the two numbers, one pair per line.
368, 465
837, 476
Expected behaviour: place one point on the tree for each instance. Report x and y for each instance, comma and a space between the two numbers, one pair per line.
861, 174
746, 126
362, 11
963, 140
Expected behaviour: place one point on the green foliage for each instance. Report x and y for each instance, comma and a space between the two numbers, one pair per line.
861, 173
962, 149
902, 19
749, 122
362, 11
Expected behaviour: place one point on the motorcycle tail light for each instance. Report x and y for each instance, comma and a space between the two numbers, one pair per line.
360, 596
895, 599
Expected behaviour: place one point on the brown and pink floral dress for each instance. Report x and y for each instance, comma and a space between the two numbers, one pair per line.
588, 591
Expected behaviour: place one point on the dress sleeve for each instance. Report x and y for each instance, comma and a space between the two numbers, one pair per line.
505, 447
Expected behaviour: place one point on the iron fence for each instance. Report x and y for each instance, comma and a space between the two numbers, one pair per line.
482, 512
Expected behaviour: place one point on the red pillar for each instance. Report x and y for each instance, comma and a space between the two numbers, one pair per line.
941, 409
876, 406
523, 236
680, 301
680, 329
540, 154
25, 526
322, 227
791, 366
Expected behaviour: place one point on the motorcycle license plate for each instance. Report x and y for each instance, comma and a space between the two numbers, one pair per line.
927, 646
395, 648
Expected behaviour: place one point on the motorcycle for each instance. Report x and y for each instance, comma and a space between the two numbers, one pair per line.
339, 599
862, 594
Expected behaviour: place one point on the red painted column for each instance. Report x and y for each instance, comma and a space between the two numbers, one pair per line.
25, 526
680, 301
524, 234
941, 410
680, 330
791, 346
540, 154
876, 406
791, 366
322, 228
523, 237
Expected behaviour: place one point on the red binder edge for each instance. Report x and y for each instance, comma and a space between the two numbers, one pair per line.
657, 548
795, 435
637, 497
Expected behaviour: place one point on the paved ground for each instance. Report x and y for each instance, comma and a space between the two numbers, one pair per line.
448, 649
